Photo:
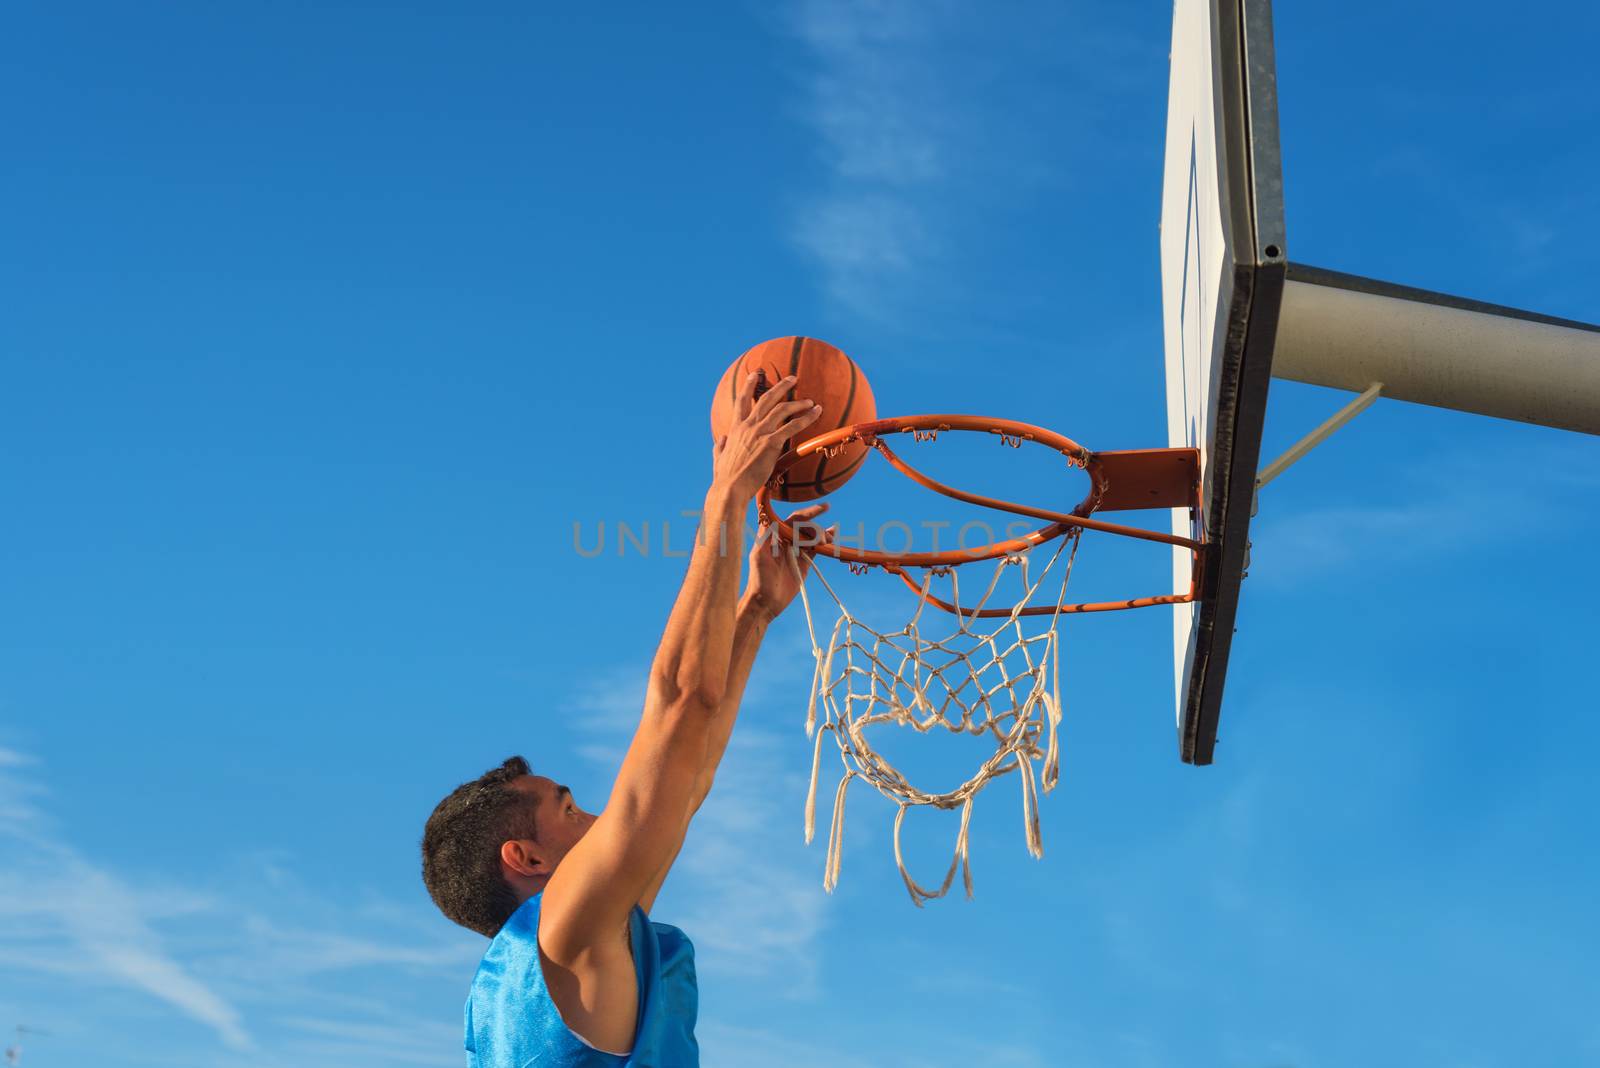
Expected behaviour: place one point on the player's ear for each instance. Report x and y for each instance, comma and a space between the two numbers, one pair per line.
520, 856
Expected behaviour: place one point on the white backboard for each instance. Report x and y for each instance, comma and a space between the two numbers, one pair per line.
1222, 270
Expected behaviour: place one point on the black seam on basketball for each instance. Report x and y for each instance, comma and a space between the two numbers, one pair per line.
850, 468
794, 363
733, 386
850, 398
794, 369
838, 477
844, 420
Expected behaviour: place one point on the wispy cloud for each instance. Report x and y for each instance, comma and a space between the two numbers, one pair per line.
872, 94
229, 956
51, 893
390, 1041
610, 705
10, 758
939, 129
871, 91
867, 242
1294, 546
288, 951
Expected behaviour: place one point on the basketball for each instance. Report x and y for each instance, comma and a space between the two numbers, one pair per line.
825, 376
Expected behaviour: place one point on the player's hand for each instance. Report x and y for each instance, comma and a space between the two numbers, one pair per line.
777, 567
745, 458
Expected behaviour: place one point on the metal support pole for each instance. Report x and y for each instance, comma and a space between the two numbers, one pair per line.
1431, 348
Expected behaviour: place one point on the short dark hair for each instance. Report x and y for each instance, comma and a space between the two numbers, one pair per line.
461, 847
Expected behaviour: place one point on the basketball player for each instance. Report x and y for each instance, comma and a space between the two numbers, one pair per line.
576, 975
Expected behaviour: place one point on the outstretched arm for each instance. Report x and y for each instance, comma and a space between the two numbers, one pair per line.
776, 571
750, 628
610, 868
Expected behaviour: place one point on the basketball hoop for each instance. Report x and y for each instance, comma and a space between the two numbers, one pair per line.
1003, 681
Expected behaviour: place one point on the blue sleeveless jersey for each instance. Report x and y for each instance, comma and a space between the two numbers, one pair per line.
512, 1023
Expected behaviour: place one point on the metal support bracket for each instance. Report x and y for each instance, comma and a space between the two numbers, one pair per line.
1298, 450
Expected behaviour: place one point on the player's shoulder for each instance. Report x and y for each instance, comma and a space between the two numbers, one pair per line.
568, 931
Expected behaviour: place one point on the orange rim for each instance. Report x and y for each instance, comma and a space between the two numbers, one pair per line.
1135, 479
927, 426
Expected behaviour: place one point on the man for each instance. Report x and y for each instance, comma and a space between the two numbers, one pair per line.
576, 975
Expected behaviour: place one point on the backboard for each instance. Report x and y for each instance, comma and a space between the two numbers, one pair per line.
1222, 276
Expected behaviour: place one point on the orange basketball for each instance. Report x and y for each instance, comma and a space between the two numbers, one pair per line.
823, 375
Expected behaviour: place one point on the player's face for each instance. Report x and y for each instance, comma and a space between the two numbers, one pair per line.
559, 820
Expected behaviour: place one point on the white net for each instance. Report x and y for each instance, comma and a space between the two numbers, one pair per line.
996, 674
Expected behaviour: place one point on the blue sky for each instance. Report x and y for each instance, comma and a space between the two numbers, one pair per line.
328, 322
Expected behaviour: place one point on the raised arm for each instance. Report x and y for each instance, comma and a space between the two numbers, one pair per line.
611, 867
776, 571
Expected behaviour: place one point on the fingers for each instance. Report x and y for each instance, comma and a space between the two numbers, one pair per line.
773, 412
778, 394
790, 430
790, 415
767, 424
800, 520
807, 535
806, 557
760, 410
746, 398
810, 511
